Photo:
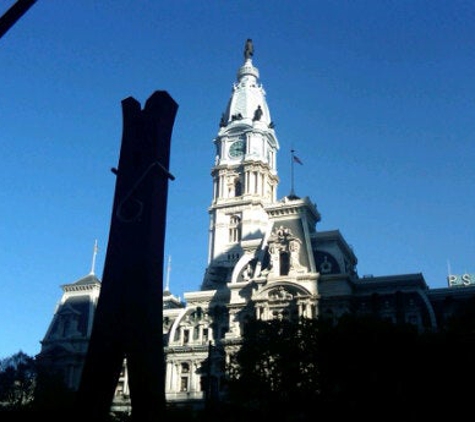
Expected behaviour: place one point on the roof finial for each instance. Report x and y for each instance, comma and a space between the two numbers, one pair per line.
248, 49
94, 254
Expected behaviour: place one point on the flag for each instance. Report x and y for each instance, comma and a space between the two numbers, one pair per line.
297, 160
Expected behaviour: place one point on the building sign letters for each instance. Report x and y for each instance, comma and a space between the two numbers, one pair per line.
461, 280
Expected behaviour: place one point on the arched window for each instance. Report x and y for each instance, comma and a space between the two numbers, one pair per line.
185, 368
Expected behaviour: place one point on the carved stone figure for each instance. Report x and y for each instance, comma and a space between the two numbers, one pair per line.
257, 113
248, 49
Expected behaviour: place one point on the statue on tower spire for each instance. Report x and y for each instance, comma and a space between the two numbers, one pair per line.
248, 49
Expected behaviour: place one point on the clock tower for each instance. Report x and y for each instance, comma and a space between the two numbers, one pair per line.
244, 175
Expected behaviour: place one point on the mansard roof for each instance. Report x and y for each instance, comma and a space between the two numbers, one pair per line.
88, 281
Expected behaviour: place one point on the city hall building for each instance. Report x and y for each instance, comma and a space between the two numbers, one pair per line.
266, 260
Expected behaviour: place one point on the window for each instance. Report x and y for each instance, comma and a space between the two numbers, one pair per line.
204, 383
66, 326
185, 368
237, 188
184, 384
234, 229
284, 263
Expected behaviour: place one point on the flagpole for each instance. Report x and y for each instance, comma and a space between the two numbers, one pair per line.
292, 193
169, 267
94, 255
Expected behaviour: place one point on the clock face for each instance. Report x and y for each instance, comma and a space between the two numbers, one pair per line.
237, 149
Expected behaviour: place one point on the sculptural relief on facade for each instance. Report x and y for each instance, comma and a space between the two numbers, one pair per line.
284, 250
279, 294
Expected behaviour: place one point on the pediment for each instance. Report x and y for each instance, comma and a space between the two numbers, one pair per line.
281, 292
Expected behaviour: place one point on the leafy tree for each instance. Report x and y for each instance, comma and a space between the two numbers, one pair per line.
450, 364
51, 393
368, 367
17, 381
276, 367
25, 385
359, 366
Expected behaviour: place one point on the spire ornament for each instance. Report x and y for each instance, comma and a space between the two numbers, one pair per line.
248, 49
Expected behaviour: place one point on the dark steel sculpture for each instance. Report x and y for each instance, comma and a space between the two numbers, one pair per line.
13, 14
128, 318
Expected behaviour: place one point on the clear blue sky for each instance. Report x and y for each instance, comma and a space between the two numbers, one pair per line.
377, 98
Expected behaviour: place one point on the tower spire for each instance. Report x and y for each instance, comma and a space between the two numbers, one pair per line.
245, 167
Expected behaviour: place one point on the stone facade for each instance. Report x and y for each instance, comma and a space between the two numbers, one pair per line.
266, 260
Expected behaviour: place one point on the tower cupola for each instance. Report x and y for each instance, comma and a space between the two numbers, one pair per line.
247, 105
